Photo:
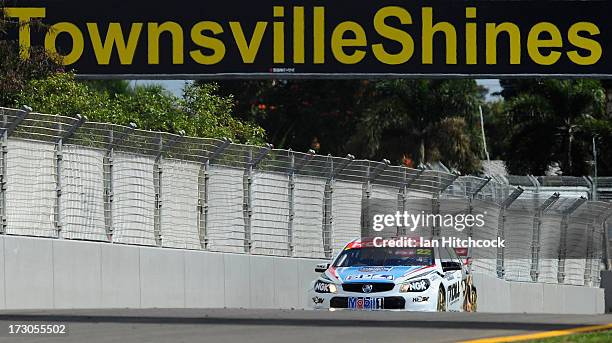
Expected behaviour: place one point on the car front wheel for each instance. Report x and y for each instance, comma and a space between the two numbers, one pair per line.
441, 300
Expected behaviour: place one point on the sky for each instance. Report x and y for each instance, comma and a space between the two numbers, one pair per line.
176, 86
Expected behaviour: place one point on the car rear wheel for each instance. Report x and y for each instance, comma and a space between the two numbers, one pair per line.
441, 300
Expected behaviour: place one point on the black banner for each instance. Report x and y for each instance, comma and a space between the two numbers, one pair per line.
302, 38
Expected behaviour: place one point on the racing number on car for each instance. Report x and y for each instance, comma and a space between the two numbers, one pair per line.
453, 292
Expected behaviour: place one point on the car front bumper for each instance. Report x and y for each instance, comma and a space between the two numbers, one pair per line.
425, 301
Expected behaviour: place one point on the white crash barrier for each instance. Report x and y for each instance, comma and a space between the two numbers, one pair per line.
496, 295
42, 273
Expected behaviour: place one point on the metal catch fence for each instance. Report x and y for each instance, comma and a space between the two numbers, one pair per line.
67, 178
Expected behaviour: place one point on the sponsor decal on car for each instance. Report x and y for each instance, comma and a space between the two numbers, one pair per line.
416, 286
369, 277
415, 269
317, 300
420, 299
374, 269
321, 287
365, 303
453, 292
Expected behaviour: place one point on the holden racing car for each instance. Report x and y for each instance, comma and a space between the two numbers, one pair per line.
365, 277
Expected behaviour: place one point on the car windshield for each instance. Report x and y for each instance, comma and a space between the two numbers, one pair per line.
372, 256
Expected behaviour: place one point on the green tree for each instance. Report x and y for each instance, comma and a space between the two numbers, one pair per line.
551, 121
110, 86
301, 114
200, 112
496, 128
15, 72
601, 129
426, 120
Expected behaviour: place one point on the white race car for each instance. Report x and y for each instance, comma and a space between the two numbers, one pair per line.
365, 277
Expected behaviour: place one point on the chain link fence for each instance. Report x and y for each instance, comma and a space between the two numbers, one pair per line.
68, 178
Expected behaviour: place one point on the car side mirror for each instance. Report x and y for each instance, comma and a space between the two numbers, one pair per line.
450, 266
321, 267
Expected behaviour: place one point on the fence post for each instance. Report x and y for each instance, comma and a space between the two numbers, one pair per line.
247, 206
157, 175
366, 193
157, 183
435, 202
203, 186
588, 261
59, 157
606, 242
7, 130
402, 197
3, 179
536, 234
291, 200
600, 224
471, 198
563, 237
295, 168
203, 179
593, 255
328, 218
404, 186
107, 166
58, 187
327, 210
371, 175
501, 271
107, 186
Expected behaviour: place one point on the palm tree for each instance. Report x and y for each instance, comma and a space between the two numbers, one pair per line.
558, 109
607, 85
429, 120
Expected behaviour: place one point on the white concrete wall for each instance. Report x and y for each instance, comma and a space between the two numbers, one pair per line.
48, 273
41, 273
495, 295
2, 278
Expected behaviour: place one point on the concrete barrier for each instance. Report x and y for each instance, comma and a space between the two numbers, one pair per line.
41, 273
493, 294
526, 297
77, 276
237, 278
496, 295
120, 276
606, 285
28, 273
2, 279
162, 278
288, 291
204, 279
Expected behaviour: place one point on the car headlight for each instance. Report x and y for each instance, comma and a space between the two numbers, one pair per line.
415, 286
324, 287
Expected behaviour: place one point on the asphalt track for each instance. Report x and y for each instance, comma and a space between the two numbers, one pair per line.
270, 326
